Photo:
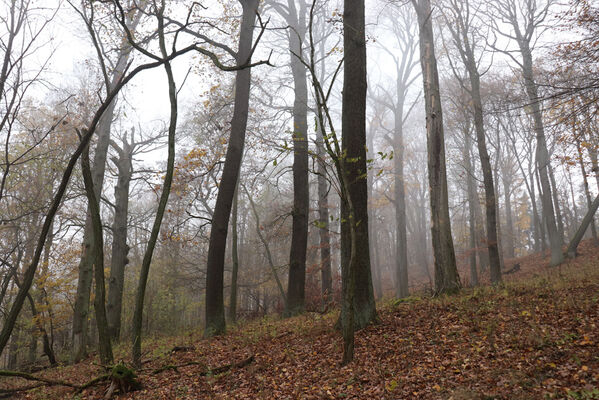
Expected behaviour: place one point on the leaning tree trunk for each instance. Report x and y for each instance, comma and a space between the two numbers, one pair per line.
586, 221
215, 307
353, 145
587, 192
120, 249
299, 226
447, 279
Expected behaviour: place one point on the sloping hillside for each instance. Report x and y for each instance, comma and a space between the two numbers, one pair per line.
535, 338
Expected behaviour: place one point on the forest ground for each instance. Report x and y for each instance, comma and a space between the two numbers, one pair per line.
536, 337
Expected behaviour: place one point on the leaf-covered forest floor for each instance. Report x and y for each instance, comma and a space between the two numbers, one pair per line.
536, 337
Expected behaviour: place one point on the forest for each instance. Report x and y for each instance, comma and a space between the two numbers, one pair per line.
277, 199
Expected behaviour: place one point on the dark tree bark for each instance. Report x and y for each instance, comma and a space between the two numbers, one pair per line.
447, 279
215, 308
104, 347
120, 249
299, 227
354, 153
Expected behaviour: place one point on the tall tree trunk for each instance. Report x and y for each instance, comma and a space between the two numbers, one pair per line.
542, 155
215, 308
375, 266
485, 161
354, 158
120, 249
299, 226
472, 199
104, 347
401, 244
447, 279
235, 258
323, 200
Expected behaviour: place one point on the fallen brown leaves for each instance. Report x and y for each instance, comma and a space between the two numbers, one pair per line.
535, 338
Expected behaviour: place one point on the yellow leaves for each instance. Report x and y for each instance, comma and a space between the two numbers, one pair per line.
585, 341
437, 388
391, 386
525, 313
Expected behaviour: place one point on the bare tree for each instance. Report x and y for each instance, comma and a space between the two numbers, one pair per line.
403, 53
526, 18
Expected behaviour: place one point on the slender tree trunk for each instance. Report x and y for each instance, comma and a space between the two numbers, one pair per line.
235, 258
166, 188
401, 244
104, 347
215, 307
323, 200
354, 159
120, 249
485, 161
556, 205
301, 191
323, 220
509, 222
447, 279
472, 199
541, 219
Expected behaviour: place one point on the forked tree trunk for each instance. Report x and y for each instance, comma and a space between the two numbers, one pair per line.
120, 249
